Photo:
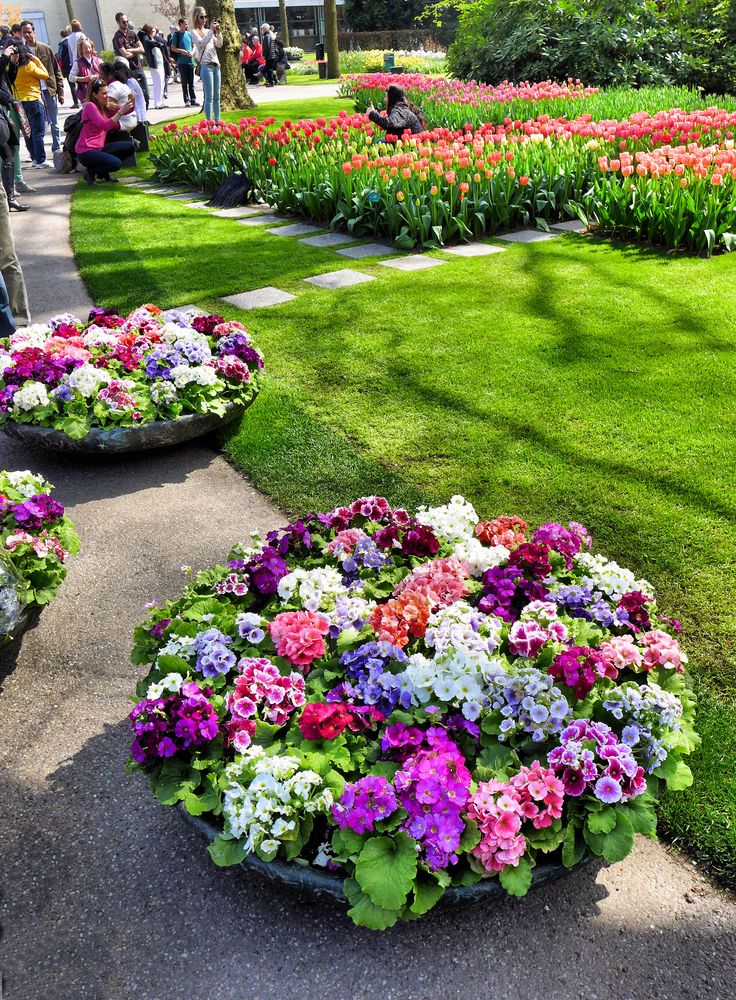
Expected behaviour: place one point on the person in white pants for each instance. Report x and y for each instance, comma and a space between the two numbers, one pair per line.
155, 58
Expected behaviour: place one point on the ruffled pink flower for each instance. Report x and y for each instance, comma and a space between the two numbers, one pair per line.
299, 636
441, 581
17, 539
344, 541
661, 650
507, 531
526, 638
621, 653
498, 816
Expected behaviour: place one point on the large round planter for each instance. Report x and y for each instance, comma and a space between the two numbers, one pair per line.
158, 434
327, 887
27, 620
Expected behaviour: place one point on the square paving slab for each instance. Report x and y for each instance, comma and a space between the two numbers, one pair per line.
240, 211
295, 229
367, 250
527, 236
573, 226
196, 204
473, 250
259, 298
263, 220
416, 262
329, 240
186, 196
340, 279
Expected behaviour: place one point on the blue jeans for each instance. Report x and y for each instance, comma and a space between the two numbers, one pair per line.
36, 119
7, 324
52, 114
101, 162
210, 76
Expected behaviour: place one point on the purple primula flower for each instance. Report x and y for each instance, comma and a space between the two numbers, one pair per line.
607, 790
40, 510
163, 726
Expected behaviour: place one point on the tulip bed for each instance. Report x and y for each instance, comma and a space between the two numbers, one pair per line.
665, 178
414, 702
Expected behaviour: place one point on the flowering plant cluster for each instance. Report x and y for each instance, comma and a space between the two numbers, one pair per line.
415, 701
35, 536
666, 178
117, 371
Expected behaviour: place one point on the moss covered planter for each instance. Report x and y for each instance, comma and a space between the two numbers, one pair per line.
146, 437
328, 887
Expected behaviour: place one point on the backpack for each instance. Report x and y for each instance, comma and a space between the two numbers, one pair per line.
64, 58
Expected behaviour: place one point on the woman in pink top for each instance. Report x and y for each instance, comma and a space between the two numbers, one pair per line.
100, 159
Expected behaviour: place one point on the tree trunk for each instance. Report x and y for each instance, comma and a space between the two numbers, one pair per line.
333, 54
182, 8
70, 10
233, 94
284, 23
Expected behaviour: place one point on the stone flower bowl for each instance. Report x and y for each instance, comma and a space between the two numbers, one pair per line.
326, 887
146, 437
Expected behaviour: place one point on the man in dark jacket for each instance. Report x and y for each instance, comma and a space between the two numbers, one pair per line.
269, 54
52, 90
126, 43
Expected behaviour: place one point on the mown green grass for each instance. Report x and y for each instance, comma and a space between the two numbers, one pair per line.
567, 379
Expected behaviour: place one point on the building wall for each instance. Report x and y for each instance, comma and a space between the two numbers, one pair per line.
98, 16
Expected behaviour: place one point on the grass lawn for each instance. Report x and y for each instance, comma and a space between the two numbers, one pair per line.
571, 379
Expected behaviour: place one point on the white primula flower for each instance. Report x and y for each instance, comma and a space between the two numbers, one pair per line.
87, 379
480, 557
30, 395
607, 576
183, 375
452, 522
171, 683
27, 483
34, 335
315, 589
178, 645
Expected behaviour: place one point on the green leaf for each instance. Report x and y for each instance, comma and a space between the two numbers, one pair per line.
427, 892
470, 837
346, 842
173, 782
601, 822
386, 868
676, 773
516, 881
265, 733
208, 801
613, 846
496, 757
225, 852
364, 912
573, 848
76, 427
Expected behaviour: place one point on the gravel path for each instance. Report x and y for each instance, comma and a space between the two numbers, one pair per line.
108, 895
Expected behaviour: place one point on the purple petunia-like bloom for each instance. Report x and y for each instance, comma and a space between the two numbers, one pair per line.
364, 803
163, 726
213, 655
40, 510
591, 751
371, 681
239, 345
265, 570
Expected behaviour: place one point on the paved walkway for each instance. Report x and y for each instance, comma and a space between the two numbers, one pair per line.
109, 896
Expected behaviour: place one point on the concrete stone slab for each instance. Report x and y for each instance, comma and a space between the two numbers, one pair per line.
528, 236
328, 240
240, 212
196, 204
296, 229
263, 220
473, 250
571, 226
367, 250
340, 279
416, 262
259, 298
187, 196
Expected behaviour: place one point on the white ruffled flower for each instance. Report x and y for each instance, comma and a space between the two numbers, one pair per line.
179, 645
98, 336
34, 335
171, 683
183, 375
462, 627
480, 557
27, 483
30, 395
87, 380
314, 589
452, 522
610, 578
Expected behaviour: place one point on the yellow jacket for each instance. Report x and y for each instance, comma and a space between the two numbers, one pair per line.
28, 80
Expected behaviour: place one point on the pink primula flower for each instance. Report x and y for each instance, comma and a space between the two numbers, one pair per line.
299, 636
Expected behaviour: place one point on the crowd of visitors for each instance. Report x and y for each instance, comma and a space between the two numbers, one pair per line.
264, 58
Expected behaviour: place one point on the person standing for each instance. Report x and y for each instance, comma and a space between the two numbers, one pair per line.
174, 63
73, 39
9, 265
31, 72
86, 69
9, 129
126, 43
206, 43
155, 59
66, 62
52, 89
270, 54
182, 48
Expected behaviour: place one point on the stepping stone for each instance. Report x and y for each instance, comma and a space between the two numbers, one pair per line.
196, 204
262, 220
239, 211
328, 240
473, 250
528, 236
186, 196
340, 279
573, 226
296, 229
367, 250
259, 298
416, 262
